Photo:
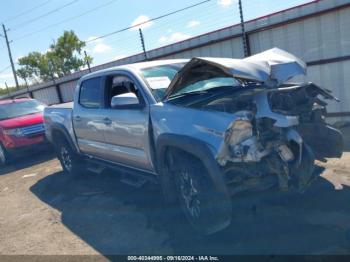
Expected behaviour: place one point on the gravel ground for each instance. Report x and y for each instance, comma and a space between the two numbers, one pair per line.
42, 211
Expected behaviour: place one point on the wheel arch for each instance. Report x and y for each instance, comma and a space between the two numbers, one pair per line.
59, 132
194, 147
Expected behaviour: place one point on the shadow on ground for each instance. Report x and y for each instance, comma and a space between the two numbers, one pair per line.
114, 218
28, 160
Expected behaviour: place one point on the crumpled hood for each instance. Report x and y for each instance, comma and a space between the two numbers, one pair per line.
280, 65
272, 67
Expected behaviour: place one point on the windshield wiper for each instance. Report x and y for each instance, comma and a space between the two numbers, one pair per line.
190, 93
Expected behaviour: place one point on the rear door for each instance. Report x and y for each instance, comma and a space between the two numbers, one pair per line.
88, 120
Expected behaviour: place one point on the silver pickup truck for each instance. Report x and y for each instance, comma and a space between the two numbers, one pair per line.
204, 129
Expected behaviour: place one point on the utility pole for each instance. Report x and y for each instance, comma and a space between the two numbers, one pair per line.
51, 69
87, 60
143, 44
10, 56
244, 35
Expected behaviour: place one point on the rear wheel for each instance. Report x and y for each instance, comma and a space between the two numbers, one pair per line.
206, 210
71, 162
3, 156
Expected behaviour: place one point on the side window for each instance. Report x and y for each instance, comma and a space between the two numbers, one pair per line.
90, 93
118, 85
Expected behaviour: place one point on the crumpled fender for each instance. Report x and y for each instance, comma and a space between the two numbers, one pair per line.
196, 148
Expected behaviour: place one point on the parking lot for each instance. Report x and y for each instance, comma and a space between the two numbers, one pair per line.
45, 212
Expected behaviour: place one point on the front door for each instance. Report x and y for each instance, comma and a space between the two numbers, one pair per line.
126, 134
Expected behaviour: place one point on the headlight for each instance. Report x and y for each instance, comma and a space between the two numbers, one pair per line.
238, 131
13, 132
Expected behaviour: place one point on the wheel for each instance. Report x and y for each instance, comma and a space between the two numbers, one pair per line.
71, 162
303, 174
3, 156
206, 210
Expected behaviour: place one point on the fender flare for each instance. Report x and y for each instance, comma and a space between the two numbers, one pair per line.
62, 130
194, 147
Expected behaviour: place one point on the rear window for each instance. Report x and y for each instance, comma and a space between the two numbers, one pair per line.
90, 93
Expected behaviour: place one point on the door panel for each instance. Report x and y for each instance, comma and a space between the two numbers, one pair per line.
127, 137
89, 130
126, 129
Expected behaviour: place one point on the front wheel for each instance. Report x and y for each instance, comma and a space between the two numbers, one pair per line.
207, 210
71, 162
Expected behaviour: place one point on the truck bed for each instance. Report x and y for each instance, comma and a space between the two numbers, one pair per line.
68, 105
59, 115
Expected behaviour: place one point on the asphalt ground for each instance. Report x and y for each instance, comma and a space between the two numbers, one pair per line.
43, 211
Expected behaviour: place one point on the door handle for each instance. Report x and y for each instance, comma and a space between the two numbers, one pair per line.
77, 118
107, 121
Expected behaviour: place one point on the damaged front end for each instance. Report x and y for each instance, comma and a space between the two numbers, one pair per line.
278, 129
266, 154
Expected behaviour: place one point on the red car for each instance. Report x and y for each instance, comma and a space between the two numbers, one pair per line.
21, 126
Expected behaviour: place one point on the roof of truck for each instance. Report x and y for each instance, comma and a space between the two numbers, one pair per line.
137, 66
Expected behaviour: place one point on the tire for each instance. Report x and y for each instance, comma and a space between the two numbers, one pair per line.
71, 162
204, 208
4, 157
303, 174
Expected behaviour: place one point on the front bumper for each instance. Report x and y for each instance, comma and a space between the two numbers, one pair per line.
14, 143
44, 145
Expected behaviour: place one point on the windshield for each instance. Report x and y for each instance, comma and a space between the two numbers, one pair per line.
159, 77
17, 109
206, 85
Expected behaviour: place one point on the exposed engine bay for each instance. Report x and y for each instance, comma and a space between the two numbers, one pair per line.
277, 129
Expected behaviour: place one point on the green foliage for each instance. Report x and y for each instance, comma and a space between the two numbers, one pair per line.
64, 57
11, 89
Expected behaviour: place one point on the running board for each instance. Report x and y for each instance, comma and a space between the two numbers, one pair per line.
134, 182
95, 168
128, 174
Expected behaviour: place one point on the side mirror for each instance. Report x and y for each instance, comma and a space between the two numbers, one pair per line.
124, 100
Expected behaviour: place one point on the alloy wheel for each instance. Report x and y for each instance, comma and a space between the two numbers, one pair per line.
2, 156
66, 159
190, 195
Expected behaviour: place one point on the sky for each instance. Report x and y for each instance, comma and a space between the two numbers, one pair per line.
34, 24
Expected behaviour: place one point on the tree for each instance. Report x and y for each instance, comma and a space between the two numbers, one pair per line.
64, 57
34, 66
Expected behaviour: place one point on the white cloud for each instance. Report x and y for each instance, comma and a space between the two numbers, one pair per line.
141, 19
193, 23
98, 46
226, 3
163, 39
174, 37
19, 57
117, 57
101, 48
